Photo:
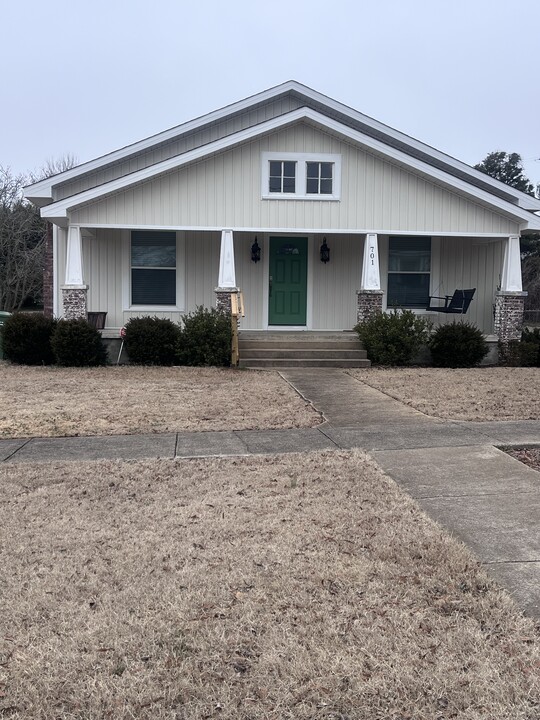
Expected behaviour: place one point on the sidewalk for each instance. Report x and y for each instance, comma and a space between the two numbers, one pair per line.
453, 469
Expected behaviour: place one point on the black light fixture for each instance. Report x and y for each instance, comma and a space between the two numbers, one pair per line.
255, 252
325, 252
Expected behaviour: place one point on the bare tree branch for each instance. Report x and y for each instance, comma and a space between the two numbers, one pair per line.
23, 236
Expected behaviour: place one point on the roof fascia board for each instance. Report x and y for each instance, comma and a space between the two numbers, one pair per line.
42, 187
432, 172
531, 203
60, 209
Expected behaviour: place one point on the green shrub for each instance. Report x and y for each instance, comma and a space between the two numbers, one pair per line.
27, 338
524, 353
530, 339
205, 338
393, 338
76, 343
151, 341
457, 345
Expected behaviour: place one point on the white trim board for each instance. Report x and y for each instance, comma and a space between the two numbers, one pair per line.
59, 210
297, 231
43, 190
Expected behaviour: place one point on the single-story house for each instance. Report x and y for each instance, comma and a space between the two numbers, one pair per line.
318, 213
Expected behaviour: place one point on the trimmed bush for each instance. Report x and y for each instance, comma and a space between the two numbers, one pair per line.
458, 345
76, 343
151, 341
393, 338
27, 339
521, 353
530, 339
205, 338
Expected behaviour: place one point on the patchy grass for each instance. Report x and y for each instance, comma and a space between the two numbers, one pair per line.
480, 394
294, 586
51, 401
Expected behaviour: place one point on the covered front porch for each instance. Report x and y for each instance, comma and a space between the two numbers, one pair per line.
325, 281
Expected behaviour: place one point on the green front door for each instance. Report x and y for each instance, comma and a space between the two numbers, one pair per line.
287, 288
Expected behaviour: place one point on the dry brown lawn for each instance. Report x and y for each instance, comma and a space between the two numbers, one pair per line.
528, 456
51, 401
481, 394
284, 587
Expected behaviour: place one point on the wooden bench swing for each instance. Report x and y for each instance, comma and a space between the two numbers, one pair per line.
457, 303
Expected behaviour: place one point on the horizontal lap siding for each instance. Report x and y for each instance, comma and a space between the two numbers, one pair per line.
225, 191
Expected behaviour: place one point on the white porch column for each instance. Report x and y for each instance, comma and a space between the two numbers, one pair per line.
74, 290
511, 272
74, 268
227, 272
369, 297
510, 299
371, 276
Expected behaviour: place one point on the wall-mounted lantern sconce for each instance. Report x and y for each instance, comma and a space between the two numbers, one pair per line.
325, 252
255, 252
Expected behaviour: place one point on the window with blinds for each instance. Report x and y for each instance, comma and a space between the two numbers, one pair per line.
153, 268
409, 272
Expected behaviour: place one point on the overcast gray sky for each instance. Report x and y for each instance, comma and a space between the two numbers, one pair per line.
89, 77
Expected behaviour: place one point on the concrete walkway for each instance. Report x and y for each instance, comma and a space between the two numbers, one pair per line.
453, 469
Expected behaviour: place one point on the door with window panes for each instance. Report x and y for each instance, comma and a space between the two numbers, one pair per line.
287, 283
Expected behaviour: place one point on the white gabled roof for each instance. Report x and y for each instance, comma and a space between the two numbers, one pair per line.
41, 193
58, 211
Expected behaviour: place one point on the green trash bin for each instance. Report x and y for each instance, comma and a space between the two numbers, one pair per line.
3, 316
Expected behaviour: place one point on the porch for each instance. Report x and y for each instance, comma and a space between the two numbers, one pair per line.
129, 272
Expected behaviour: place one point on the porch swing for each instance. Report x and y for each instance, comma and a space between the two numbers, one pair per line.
457, 303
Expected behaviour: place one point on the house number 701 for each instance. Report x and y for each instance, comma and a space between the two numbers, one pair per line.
372, 254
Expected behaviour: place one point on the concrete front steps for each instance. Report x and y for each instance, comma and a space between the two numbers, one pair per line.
289, 349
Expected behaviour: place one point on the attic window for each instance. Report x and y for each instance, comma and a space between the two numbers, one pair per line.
300, 176
319, 178
282, 176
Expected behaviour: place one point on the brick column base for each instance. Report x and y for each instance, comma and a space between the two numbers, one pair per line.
509, 315
74, 301
223, 299
368, 304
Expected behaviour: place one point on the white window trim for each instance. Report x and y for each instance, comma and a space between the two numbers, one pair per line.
180, 278
301, 160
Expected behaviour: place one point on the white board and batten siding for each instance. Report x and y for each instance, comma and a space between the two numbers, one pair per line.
179, 145
225, 191
456, 263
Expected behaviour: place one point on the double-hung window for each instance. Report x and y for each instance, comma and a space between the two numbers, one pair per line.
301, 176
409, 272
153, 268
